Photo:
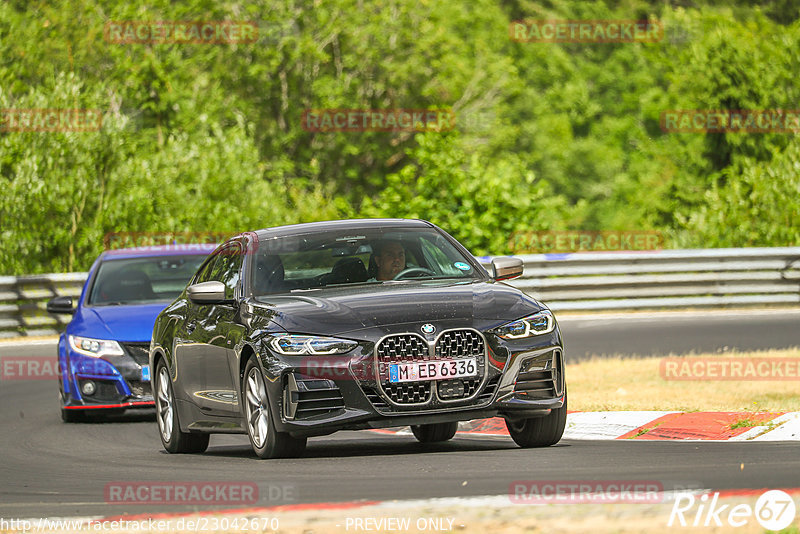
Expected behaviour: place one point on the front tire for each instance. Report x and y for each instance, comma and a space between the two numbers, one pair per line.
68, 416
539, 431
73, 416
434, 433
174, 440
265, 439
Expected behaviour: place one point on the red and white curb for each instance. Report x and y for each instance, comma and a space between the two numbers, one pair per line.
717, 426
657, 425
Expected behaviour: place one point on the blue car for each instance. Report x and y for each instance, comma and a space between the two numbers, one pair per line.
103, 354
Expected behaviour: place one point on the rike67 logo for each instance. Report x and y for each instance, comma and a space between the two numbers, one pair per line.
774, 510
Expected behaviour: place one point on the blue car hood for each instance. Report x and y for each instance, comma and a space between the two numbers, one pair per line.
132, 323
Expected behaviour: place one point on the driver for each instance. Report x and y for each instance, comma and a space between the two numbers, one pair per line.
390, 257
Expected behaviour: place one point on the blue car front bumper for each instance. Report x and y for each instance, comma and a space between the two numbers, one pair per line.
115, 382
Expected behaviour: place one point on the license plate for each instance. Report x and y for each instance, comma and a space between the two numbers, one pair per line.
432, 370
145, 373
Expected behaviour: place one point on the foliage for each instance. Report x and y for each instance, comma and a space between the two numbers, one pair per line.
763, 198
548, 136
470, 197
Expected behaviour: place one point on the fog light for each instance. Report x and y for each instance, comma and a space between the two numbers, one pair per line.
88, 388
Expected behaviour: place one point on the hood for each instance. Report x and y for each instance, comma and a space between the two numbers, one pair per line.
333, 311
131, 323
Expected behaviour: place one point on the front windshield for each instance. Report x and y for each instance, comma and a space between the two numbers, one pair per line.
140, 280
313, 261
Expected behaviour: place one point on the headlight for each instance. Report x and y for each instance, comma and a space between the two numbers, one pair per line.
95, 347
537, 324
294, 344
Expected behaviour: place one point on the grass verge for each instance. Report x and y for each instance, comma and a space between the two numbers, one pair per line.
637, 383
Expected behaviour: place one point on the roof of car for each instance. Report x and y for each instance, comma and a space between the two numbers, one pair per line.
347, 224
186, 249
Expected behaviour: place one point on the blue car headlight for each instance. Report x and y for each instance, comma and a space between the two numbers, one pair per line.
295, 344
95, 348
537, 324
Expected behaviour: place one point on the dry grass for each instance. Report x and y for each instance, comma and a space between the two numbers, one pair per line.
635, 383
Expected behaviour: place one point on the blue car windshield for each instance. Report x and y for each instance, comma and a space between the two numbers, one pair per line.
314, 261
141, 280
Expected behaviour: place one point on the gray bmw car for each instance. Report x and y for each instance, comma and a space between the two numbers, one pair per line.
303, 330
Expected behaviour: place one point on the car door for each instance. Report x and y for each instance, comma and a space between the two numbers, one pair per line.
204, 359
188, 347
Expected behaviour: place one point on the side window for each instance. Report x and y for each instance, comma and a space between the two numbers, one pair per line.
204, 275
438, 259
227, 268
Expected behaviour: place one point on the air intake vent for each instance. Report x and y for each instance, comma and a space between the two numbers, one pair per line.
536, 384
488, 392
375, 399
542, 381
305, 398
140, 352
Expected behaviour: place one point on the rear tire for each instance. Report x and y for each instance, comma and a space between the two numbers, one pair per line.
434, 433
539, 431
169, 429
265, 439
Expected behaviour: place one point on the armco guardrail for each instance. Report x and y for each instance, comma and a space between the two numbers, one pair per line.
664, 278
573, 281
23, 300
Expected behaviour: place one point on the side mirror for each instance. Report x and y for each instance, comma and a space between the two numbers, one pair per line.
486, 263
506, 268
60, 305
207, 293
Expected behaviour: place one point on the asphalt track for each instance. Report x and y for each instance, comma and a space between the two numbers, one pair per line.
52, 469
679, 333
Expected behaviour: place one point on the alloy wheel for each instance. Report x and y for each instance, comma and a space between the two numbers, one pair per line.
256, 405
165, 408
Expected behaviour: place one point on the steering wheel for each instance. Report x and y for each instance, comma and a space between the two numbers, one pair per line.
413, 270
